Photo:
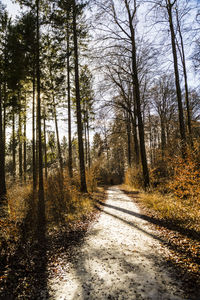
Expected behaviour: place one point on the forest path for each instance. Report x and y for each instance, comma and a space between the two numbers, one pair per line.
121, 258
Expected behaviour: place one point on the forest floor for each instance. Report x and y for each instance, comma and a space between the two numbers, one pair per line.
121, 257
116, 252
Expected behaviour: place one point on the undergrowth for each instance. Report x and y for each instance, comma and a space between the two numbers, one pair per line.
186, 213
175, 188
64, 204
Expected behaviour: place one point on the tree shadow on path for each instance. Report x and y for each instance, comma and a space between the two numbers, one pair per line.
167, 224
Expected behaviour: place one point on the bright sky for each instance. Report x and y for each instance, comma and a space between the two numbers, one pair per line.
11, 7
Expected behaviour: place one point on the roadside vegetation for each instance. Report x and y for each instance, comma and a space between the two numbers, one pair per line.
175, 190
172, 205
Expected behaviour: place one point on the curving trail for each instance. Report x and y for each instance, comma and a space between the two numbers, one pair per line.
121, 258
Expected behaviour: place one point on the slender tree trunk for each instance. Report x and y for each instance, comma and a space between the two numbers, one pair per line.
86, 145
155, 142
13, 146
20, 137
128, 128
88, 142
25, 142
185, 78
136, 91
150, 138
163, 136
45, 147
4, 111
177, 81
70, 168
40, 158
4, 125
139, 114
2, 158
34, 165
135, 139
78, 105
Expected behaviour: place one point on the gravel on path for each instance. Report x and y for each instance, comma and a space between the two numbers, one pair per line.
121, 258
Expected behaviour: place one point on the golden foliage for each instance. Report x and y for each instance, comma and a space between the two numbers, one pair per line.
185, 213
175, 188
64, 201
185, 175
134, 178
18, 198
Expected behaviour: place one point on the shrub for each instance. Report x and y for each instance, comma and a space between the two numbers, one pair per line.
64, 202
134, 177
185, 182
91, 177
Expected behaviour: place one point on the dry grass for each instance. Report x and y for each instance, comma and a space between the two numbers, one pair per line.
134, 178
19, 199
175, 190
64, 204
184, 212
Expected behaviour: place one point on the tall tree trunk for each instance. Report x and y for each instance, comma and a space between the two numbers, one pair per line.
13, 146
34, 165
25, 141
136, 91
150, 138
88, 142
45, 147
2, 158
135, 139
138, 107
177, 81
20, 137
70, 168
4, 113
185, 78
78, 105
41, 206
128, 129
86, 146
163, 135
4, 125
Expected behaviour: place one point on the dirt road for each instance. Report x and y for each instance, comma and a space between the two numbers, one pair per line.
121, 258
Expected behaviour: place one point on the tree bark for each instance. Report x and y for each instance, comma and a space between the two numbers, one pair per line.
185, 78
136, 91
139, 114
128, 129
25, 142
45, 148
177, 81
88, 142
34, 172
70, 168
163, 136
13, 146
78, 106
2, 158
20, 137
40, 158
4, 125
